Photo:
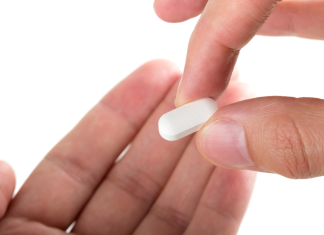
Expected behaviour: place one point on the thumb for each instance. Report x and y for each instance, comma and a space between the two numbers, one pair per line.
271, 134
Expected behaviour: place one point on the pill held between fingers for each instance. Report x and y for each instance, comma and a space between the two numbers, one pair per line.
186, 119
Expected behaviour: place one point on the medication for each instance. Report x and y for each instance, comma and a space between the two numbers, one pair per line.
186, 119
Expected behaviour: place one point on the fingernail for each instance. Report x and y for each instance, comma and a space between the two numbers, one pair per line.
177, 96
179, 85
223, 142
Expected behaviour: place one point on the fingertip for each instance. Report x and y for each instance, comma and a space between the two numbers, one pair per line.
180, 101
198, 144
7, 173
210, 144
7, 186
164, 12
183, 98
177, 103
161, 70
236, 74
174, 11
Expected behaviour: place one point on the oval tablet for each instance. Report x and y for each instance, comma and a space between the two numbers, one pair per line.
186, 119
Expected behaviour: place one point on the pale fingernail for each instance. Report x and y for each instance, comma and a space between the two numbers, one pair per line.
179, 85
176, 101
223, 142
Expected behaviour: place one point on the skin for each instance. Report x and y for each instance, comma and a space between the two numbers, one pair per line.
225, 27
282, 135
158, 187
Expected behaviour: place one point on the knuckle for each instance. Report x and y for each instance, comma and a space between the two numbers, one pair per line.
171, 216
227, 217
135, 182
286, 144
73, 168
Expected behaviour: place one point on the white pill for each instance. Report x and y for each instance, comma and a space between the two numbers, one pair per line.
186, 119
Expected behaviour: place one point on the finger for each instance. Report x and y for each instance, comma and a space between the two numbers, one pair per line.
235, 75
174, 208
289, 18
296, 18
274, 134
223, 204
178, 10
7, 186
126, 194
223, 29
64, 181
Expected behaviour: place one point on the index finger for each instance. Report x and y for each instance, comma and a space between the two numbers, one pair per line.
223, 29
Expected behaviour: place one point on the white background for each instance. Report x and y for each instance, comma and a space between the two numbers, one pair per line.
58, 58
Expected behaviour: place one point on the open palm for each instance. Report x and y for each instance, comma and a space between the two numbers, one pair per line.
158, 187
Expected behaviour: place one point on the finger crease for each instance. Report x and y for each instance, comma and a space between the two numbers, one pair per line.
108, 108
172, 217
79, 175
221, 213
305, 161
136, 183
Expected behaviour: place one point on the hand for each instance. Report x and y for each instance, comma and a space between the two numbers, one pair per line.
270, 134
158, 187
225, 27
